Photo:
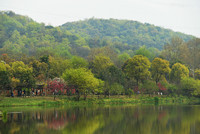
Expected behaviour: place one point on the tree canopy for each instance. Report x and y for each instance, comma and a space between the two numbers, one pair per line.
82, 79
137, 68
159, 69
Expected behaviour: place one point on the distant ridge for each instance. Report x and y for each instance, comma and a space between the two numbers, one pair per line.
21, 35
125, 31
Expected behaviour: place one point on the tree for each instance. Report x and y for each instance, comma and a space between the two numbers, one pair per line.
56, 86
116, 89
190, 86
45, 59
78, 62
137, 68
39, 69
149, 87
23, 73
178, 71
159, 69
197, 74
82, 79
58, 66
194, 54
104, 51
172, 89
163, 86
99, 64
99, 90
196, 92
14, 83
122, 58
145, 52
112, 74
172, 50
4, 76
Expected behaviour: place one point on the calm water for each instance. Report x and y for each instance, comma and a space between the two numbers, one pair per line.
103, 120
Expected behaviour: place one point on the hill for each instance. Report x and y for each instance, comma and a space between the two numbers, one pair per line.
20, 35
125, 31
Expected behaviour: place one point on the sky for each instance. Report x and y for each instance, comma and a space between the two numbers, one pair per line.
178, 15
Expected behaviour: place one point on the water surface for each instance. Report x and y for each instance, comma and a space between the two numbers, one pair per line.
142, 119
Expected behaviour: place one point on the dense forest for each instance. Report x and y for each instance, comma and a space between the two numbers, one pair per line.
132, 33
109, 57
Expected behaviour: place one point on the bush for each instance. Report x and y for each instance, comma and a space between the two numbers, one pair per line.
129, 92
190, 86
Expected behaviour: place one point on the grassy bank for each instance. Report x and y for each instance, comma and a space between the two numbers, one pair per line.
65, 100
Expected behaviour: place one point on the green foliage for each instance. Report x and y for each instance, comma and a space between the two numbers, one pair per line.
129, 92
116, 89
150, 53
130, 32
38, 53
14, 82
82, 79
99, 64
172, 89
172, 49
4, 76
112, 74
23, 73
178, 71
137, 68
148, 86
159, 69
156, 99
57, 66
197, 74
39, 69
190, 86
122, 58
78, 62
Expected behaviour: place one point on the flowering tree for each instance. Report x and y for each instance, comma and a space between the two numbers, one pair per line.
163, 87
56, 86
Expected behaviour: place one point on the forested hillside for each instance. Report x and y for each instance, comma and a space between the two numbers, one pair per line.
32, 54
21, 35
131, 32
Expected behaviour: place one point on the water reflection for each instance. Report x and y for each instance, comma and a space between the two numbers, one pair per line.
99, 120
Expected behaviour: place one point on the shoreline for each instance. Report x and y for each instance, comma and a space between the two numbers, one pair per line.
93, 100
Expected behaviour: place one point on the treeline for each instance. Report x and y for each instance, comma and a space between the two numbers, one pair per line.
99, 76
34, 54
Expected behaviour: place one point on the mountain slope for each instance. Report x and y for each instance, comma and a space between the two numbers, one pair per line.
20, 35
125, 31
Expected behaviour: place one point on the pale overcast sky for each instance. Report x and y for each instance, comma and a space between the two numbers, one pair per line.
178, 15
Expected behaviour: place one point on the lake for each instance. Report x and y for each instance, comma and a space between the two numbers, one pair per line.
135, 119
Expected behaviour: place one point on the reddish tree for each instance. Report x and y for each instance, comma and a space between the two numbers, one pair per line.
161, 87
71, 90
56, 86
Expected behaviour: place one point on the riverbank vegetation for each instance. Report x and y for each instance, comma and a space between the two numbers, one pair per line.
39, 60
94, 100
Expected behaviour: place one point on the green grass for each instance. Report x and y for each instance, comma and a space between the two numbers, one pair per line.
70, 101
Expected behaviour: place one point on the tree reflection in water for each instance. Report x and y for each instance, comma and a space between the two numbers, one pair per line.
98, 120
